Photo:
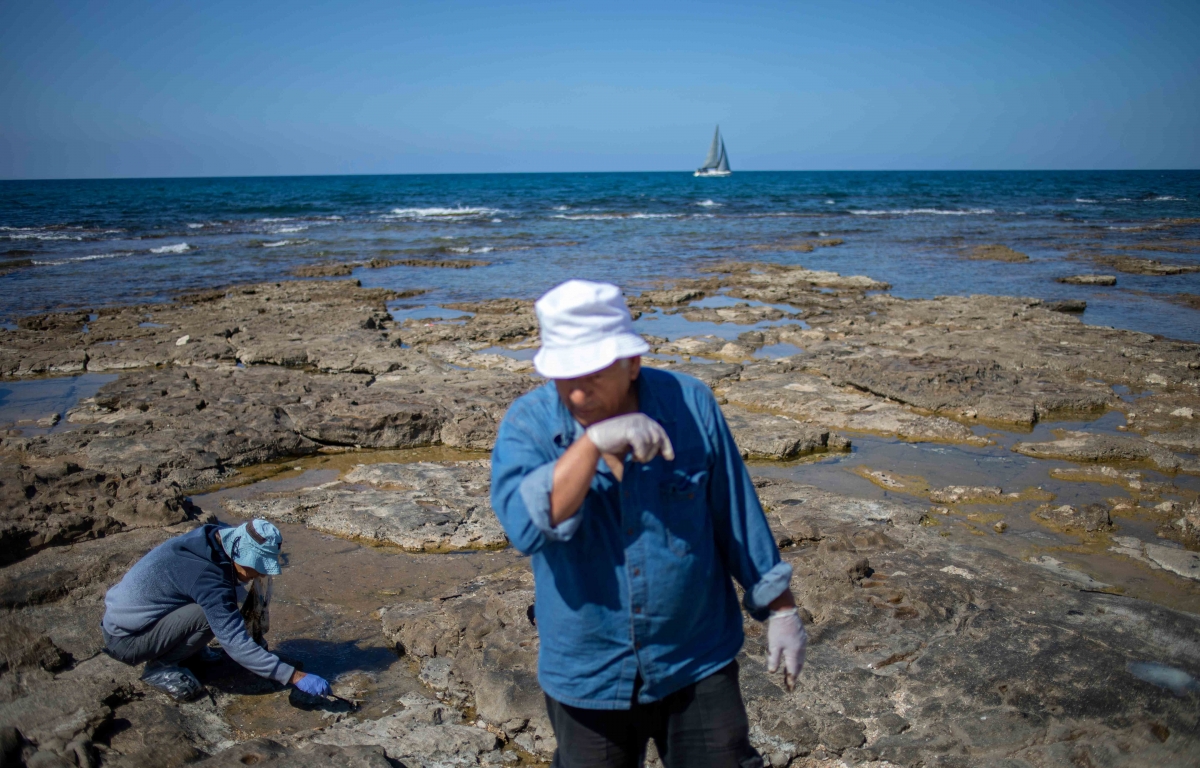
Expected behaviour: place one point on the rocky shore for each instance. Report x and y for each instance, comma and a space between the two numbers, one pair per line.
950, 625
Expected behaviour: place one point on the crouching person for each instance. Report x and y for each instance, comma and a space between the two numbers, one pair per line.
183, 593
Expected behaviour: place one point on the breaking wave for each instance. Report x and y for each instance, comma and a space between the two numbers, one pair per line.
177, 248
926, 211
462, 212
93, 257
707, 203
616, 216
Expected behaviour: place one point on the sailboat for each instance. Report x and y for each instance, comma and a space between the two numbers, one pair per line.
717, 163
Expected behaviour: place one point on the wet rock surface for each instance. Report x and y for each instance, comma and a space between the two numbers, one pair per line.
423, 507
995, 253
1089, 447
1089, 280
935, 640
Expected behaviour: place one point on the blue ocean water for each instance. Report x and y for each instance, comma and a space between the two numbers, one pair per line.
92, 243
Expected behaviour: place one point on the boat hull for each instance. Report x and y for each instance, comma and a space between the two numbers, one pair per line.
712, 173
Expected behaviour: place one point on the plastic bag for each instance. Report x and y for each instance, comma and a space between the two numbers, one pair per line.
177, 682
256, 611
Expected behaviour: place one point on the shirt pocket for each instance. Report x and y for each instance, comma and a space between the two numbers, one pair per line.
685, 509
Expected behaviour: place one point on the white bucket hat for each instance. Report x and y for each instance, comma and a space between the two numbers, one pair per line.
585, 327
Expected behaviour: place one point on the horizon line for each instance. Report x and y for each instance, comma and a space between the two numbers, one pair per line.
552, 173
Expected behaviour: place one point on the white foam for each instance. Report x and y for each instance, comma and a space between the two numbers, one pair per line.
93, 257
495, 221
1168, 198
830, 202
196, 226
288, 230
177, 248
928, 211
616, 216
274, 221
1085, 200
562, 207
461, 212
279, 244
464, 249
707, 203
33, 233
459, 250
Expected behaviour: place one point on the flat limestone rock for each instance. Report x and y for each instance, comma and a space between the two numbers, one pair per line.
1092, 447
776, 278
1065, 517
479, 648
1185, 439
762, 435
1070, 575
50, 503
271, 753
966, 494
331, 325
1089, 280
1179, 561
972, 389
425, 732
1136, 266
995, 253
813, 399
422, 507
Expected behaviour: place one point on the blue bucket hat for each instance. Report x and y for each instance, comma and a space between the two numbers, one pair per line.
254, 545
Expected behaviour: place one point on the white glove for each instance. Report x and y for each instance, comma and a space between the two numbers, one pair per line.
786, 638
633, 431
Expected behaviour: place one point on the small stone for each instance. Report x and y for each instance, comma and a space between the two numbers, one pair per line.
49, 421
182, 340
1000, 527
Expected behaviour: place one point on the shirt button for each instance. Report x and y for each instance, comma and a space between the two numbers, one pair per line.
628, 531
637, 571
637, 609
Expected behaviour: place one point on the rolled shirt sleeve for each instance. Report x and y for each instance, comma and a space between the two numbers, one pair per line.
522, 478
535, 494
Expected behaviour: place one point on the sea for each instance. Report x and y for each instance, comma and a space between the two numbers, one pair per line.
87, 244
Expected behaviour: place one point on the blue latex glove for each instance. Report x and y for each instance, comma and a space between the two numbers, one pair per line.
314, 685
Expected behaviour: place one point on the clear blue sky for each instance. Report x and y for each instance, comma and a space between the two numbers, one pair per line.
162, 88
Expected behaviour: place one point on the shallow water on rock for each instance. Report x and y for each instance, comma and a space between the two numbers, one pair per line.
941, 465
324, 612
23, 403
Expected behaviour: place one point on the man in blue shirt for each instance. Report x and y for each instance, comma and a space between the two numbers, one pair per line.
179, 596
626, 487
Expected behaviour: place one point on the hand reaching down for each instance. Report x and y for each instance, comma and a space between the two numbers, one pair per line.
312, 684
786, 640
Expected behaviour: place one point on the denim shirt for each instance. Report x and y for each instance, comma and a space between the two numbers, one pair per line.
637, 582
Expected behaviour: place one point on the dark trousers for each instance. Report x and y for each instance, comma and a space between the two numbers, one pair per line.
170, 640
701, 726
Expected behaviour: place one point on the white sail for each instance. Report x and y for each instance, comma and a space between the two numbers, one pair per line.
723, 163
713, 151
